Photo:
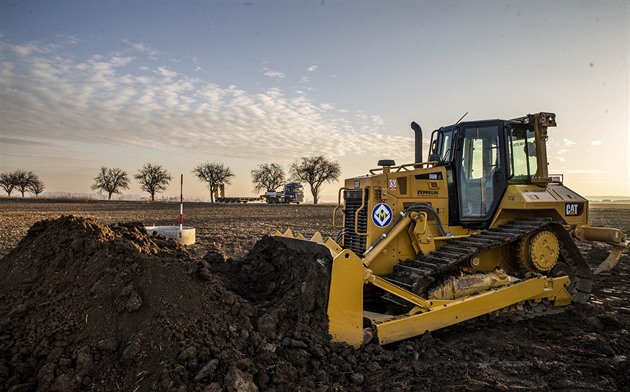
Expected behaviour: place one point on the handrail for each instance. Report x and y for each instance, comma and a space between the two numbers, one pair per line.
405, 166
356, 214
557, 178
343, 211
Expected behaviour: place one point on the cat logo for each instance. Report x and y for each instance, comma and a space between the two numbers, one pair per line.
573, 209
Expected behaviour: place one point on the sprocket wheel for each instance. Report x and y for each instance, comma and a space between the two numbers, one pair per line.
539, 251
544, 250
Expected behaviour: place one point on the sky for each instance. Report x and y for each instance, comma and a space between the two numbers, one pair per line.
86, 84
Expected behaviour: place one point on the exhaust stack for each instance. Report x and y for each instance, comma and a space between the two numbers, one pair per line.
418, 134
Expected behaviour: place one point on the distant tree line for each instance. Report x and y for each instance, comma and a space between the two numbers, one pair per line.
153, 179
315, 171
22, 181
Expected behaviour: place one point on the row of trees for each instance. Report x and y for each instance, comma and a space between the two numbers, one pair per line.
22, 181
153, 179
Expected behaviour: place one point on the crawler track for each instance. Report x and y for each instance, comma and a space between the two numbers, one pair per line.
419, 275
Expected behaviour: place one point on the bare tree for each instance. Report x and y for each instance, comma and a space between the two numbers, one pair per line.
23, 180
268, 177
215, 174
7, 182
153, 179
36, 187
315, 171
110, 181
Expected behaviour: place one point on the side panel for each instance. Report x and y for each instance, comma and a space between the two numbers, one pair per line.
555, 201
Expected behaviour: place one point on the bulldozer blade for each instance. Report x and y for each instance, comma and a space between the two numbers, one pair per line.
304, 246
611, 261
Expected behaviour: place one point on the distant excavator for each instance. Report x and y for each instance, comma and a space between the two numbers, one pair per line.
479, 228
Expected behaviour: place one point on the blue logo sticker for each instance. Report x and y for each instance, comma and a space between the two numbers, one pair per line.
382, 215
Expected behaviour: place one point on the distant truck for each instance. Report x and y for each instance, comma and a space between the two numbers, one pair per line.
238, 199
290, 193
219, 196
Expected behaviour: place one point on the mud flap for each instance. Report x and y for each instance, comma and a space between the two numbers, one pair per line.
345, 300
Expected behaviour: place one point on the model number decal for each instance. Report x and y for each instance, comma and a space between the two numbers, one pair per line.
429, 176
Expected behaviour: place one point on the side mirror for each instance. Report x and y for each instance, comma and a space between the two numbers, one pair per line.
531, 149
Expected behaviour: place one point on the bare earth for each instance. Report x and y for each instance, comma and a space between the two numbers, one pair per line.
234, 227
95, 304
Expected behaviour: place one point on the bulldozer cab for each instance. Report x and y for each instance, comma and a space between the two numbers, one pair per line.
483, 157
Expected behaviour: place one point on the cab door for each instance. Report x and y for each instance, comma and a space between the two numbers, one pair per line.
481, 171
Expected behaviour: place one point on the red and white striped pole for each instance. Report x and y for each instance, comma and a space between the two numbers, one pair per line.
181, 203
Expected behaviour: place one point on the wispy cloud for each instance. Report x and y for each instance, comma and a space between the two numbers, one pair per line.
273, 74
557, 149
584, 171
50, 96
143, 48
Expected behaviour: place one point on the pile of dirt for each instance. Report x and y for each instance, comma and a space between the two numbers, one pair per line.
85, 306
91, 307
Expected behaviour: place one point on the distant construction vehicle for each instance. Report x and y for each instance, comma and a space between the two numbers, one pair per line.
219, 196
290, 193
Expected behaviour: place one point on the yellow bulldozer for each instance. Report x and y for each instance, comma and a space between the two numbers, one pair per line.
480, 228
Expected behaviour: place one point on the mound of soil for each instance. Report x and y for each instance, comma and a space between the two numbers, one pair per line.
85, 306
92, 307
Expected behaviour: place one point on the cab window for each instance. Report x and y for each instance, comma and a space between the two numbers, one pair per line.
522, 153
480, 159
445, 148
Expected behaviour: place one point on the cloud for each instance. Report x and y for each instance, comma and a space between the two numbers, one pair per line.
6, 140
584, 171
115, 100
596, 142
273, 74
312, 68
557, 149
143, 48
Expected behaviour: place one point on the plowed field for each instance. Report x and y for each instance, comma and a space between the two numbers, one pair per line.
91, 303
